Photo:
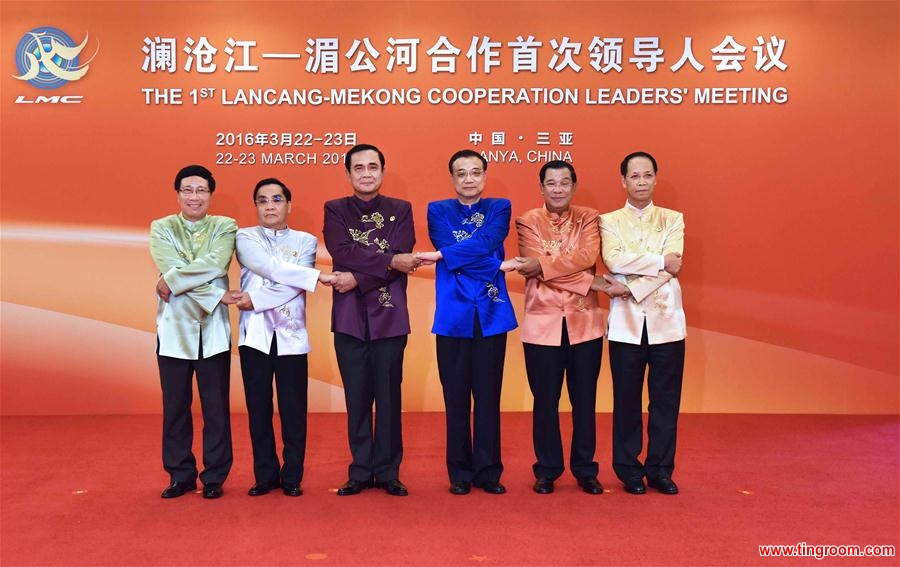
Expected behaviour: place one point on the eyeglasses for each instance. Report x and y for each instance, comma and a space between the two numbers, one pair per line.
199, 191
473, 173
277, 199
564, 185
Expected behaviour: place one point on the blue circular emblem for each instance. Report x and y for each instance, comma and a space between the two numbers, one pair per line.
37, 53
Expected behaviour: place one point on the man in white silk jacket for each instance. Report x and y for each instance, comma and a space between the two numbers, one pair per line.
192, 251
642, 247
277, 269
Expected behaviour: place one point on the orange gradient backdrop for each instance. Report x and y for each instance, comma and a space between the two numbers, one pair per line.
791, 253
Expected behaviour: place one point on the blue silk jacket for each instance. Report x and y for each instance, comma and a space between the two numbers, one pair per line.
468, 279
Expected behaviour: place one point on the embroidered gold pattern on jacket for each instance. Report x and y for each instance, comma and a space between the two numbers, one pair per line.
361, 236
555, 247
561, 228
551, 246
376, 217
382, 244
384, 297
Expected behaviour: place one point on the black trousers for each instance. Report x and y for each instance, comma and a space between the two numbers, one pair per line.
545, 366
628, 363
472, 369
291, 378
213, 377
372, 371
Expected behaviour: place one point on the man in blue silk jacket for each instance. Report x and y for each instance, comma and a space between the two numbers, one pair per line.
472, 317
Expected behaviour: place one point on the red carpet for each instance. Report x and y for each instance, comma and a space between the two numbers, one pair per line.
85, 491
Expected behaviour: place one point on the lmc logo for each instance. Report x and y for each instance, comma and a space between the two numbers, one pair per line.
47, 58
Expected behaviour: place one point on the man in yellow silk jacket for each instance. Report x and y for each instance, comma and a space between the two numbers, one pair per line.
562, 332
192, 251
642, 247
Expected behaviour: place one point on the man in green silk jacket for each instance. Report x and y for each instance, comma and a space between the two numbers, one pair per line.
192, 251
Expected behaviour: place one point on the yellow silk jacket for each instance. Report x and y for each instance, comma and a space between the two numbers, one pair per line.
634, 244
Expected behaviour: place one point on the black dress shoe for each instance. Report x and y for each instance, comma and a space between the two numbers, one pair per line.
663, 484
212, 490
261, 488
635, 485
460, 487
543, 486
491, 487
591, 485
291, 489
176, 489
393, 487
352, 487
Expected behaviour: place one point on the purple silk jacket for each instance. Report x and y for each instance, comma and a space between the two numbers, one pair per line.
362, 237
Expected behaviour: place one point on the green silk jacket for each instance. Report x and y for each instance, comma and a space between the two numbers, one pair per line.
193, 258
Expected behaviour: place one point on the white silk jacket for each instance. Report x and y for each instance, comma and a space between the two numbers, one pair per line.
635, 242
277, 270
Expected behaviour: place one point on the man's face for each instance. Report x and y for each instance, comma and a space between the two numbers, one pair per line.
558, 190
272, 207
194, 197
639, 182
468, 179
365, 174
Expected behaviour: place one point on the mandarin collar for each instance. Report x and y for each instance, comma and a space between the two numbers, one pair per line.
275, 233
557, 217
639, 212
366, 205
468, 208
194, 226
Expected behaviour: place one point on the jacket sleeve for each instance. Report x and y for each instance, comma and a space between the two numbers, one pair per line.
403, 242
645, 284
618, 260
270, 297
192, 278
369, 268
473, 256
254, 255
571, 272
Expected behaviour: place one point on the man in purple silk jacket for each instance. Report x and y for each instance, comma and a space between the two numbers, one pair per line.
370, 238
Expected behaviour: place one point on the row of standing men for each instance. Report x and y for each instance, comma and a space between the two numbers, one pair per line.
370, 238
